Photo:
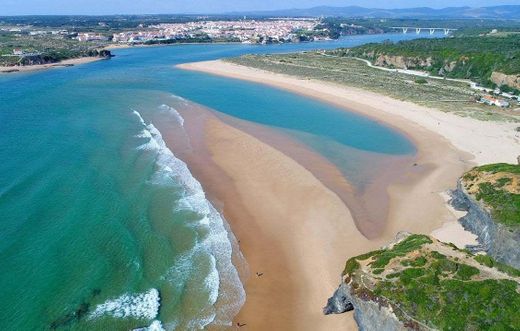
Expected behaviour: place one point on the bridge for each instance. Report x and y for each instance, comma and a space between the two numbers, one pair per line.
405, 29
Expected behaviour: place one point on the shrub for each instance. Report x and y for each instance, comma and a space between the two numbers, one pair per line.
351, 266
465, 272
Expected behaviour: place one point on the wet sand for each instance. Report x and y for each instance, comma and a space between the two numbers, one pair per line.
292, 228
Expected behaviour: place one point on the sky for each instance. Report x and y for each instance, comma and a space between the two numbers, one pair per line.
94, 7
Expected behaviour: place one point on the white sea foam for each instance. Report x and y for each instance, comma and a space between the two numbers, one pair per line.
214, 241
212, 281
141, 305
179, 98
140, 117
144, 134
155, 326
151, 145
174, 112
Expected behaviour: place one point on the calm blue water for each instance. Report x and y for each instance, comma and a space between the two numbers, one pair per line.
102, 227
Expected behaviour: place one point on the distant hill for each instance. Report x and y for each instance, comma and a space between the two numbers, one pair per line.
495, 12
492, 60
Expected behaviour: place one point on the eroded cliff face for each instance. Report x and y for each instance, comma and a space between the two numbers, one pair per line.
503, 79
499, 241
402, 62
418, 63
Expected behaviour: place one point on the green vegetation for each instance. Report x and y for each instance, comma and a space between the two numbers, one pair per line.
411, 243
499, 167
505, 206
418, 262
448, 96
446, 291
454, 304
465, 272
468, 57
485, 260
351, 266
498, 187
488, 261
47, 48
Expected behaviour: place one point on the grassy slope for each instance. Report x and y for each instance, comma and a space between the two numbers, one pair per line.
498, 187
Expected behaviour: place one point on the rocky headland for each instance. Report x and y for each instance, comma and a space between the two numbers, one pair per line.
420, 283
491, 197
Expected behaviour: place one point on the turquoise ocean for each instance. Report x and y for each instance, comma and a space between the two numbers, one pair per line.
102, 226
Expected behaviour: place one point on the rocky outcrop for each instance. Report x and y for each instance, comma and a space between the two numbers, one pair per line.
447, 68
340, 302
369, 315
402, 62
499, 241
503, 79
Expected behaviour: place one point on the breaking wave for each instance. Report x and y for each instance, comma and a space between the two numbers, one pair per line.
181, 99
170, 110
214, 246
142, 305
155, 326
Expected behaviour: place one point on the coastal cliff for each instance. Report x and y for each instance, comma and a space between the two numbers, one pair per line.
501, 79
488, 60
404, 62
490, 195
51, 57
420, 283
400, 62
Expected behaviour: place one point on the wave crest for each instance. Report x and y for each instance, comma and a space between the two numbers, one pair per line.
142, 305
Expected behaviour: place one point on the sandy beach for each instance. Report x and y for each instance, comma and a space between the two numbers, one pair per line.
294, 233
294, 230
64, 63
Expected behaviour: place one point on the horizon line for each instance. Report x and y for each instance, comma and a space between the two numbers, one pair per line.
258, 12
